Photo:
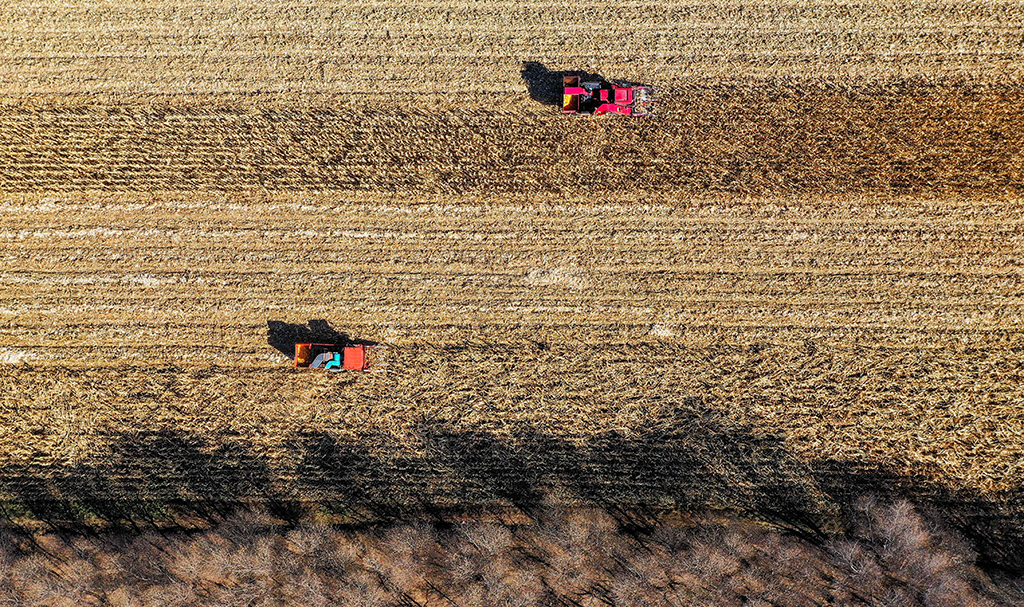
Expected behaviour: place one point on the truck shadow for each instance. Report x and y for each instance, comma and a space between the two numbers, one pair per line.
282, 336
545, 85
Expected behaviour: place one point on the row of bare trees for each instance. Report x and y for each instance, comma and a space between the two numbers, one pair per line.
891, 555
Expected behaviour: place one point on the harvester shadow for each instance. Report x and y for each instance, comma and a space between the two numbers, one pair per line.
545, 85
283, 336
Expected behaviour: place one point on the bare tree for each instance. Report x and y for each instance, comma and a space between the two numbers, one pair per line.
893, 556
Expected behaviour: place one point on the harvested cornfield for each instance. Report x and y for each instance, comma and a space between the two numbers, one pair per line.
800, 283
739, 139
429, 46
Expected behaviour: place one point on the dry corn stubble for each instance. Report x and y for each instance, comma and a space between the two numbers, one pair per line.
673, 312
438, 47
767, 354
762, 138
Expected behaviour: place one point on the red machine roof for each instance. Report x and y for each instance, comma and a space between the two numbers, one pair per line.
355, 358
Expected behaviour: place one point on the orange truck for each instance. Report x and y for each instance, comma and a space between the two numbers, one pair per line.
333, 357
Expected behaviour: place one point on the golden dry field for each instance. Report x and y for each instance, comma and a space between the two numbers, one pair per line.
800, 283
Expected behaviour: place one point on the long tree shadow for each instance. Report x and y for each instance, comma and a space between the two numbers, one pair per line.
704, 464
993, 523
691, 459
153, 478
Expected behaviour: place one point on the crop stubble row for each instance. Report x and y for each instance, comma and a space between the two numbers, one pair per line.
437, 47
90, 279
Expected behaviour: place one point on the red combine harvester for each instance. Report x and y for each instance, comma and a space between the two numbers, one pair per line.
603, 97
333, 357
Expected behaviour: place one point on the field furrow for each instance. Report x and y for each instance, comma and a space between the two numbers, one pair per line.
618, 273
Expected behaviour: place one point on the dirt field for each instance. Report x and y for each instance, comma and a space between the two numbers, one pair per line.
799, 284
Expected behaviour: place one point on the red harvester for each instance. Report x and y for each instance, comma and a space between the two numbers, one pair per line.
603, 97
